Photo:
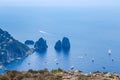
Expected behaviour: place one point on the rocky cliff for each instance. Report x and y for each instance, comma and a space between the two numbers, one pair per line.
58, 74
10, 48
41, 46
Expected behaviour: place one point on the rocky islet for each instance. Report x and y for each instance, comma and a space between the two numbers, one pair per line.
63, 45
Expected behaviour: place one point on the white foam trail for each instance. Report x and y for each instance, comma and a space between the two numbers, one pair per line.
44, 32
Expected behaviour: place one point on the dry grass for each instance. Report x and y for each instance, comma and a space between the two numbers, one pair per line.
57, 74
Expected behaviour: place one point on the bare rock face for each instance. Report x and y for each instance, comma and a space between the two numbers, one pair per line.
10, 48
41, 46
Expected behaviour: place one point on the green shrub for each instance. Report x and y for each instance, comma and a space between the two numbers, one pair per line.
57, 70
111, 76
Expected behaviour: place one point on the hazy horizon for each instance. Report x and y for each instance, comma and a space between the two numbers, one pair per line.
59, 3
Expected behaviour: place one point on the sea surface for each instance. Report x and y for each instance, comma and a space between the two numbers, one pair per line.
92, 32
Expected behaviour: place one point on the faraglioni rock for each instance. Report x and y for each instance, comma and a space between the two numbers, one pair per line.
58, 46
11, 49
65, 44
41, 46
29, 42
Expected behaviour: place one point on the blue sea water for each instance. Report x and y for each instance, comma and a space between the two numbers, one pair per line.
92, 31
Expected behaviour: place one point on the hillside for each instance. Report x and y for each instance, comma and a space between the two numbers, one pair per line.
10, 48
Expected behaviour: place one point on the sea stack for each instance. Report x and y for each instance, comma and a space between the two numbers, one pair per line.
29, 42
10, 48
58, 46
41, 46
65, 44
62, 45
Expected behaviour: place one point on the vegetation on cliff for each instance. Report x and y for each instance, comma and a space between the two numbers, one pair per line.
58, 74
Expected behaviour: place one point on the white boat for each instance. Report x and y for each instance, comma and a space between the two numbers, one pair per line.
12, 59
18, 58
8, 61
1, 67
72, 67
6, 69
109, 51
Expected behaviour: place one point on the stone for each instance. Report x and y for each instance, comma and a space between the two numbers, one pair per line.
29, 42
65, 44
41, 46
58, 46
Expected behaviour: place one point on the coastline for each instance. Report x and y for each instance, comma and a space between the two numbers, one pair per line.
58, 74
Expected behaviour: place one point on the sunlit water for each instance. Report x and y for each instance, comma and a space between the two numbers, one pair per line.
92, 32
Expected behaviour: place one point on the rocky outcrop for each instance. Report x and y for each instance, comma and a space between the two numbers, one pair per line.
29, 42
58, 74
64, 45
41, 45
58, 46
10, 48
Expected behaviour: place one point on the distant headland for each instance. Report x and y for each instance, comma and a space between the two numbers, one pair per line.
11, 49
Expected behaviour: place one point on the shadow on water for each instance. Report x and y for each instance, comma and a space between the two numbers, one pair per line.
66, 54
42, 54
66, 60
63, 59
